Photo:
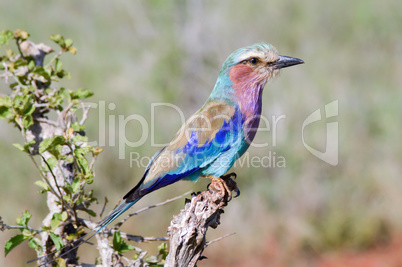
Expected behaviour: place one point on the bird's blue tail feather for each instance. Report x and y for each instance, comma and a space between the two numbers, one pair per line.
113, 215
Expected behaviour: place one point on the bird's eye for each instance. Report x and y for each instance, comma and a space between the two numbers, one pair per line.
253, 61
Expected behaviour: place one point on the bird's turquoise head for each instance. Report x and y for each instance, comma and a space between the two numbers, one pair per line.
259, 61
250, 67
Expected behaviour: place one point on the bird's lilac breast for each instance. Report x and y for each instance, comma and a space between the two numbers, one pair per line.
248, 86
250, 127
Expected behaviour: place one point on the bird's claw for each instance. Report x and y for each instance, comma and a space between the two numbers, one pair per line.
226, 185
231, 185
237, 192
230, 175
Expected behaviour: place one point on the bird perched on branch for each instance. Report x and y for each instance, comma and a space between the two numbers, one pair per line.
212, 139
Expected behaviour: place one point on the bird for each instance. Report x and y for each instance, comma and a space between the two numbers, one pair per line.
215, 136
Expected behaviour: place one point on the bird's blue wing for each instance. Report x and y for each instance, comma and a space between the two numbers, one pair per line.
209, 133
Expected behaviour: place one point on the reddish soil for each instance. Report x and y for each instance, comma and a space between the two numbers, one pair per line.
387, 256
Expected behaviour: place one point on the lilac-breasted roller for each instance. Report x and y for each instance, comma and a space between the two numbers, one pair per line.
211, 140
220, 132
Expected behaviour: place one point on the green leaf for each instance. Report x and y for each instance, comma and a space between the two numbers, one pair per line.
89, 178
5, 36
163, 250
28, 145
5, 112
72, 236
79, 138
58, 65
46, 228
56, 150
58, 39
6, 101
28, 107
83, 150
67, 198
69, 42
35, 244
17, 101
50, 142
42, 184
76, 184
24, 219
61, 262
28, 121
56, 240
57, 216
81, 94
68, 189
116, 240
64, 216
83, 162
21, 34
152, 261
90, 212
5, 107
125, 247
80, 153
119, 245
62, 73
27, 233
20, 63
52, 161
31, 65
42, 72
13, 242
69, 159
19, 146
13, 85
77, 127
54, 224
72, 50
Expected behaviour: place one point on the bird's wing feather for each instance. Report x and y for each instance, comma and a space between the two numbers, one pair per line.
199, 142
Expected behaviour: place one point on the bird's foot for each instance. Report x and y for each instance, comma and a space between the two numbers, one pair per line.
225, 184
231, 184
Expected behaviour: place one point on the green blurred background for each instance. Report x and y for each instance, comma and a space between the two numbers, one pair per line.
308, 213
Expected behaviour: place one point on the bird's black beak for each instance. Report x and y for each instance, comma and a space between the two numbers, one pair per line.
285, 62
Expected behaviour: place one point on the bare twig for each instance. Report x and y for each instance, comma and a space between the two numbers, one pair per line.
46, 120
63, 114
117, 225
84, 113
218, 239
135, 238
92, 164
45, 179
64, 204
54, 58
104, 206
19, 47
4, 226
5, 75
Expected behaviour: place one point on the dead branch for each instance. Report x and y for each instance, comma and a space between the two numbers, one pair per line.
187, 230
